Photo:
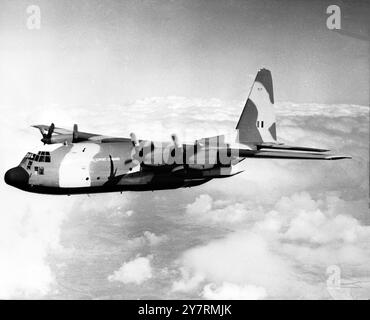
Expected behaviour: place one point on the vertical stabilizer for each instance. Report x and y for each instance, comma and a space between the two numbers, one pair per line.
257, 122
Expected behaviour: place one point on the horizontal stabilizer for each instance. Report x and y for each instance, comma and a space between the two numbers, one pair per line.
275, 154
285, 147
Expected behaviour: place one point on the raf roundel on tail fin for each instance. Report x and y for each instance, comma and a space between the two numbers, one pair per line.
257, 122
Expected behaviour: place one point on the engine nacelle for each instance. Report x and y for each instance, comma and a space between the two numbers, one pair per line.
61, 138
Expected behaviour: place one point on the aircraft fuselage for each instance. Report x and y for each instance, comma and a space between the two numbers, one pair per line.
88, 167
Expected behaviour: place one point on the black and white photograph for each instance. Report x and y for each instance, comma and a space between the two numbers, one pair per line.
188, 150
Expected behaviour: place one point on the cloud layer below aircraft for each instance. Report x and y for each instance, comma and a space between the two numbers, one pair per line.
268, 233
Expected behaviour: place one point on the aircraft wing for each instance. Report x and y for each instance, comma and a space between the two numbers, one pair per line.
52, 134
56, 129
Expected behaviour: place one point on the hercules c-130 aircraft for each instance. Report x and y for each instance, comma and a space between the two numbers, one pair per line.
85, 163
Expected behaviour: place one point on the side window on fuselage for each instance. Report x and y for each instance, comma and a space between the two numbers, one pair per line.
39, 170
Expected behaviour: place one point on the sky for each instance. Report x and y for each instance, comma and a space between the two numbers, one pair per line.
282, 229
87, 52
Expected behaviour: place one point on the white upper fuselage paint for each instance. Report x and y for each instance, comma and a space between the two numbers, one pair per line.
74, 170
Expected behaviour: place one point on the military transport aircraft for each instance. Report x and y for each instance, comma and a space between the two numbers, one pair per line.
92, 163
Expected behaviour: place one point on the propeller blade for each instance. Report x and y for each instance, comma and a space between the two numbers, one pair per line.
75, 133
177, 150
133, 139
111, 166
112, 170
176, 140
46, 137
50, 131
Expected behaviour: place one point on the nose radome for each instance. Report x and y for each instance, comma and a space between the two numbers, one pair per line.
17, 177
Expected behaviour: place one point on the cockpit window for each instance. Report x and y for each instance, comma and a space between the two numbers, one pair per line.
43, 156
30, 156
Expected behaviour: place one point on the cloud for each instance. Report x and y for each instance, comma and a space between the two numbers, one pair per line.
243, 258
277, 252
187, 282
317, 110
230, 291
134, 271
153, 239
29, 229
201, 205
316, 227
205, 209
148, 238
278, 239
129, 213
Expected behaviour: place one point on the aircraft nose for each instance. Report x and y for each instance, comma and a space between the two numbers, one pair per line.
16, 177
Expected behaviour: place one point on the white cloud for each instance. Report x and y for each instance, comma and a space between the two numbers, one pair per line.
280, 235
153, 239
29, 229
276, 253
205, 209
129, 213
320, 110
134, 271
316, 227
243, 258
201, 205
230, 291
187, 282
148, 238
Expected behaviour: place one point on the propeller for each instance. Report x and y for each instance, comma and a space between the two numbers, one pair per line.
135, 144
46, 137
137, 153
